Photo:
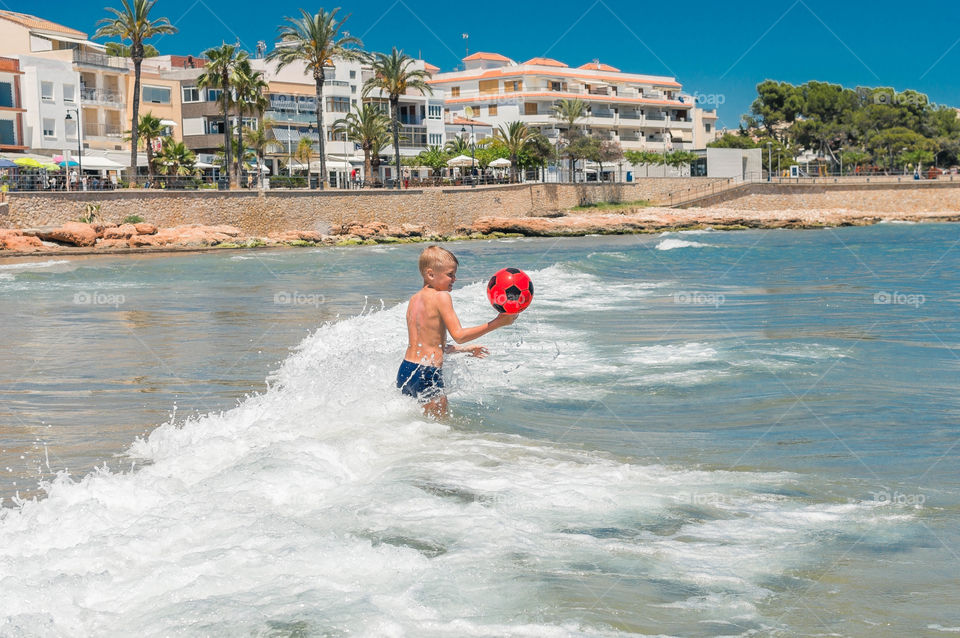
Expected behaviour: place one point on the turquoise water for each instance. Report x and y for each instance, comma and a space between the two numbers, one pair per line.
689, 434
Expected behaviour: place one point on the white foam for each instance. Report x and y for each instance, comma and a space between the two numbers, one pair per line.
328, 501
34, 265
671, 244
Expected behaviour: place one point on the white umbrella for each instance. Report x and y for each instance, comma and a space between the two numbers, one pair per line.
460, 160
500, 162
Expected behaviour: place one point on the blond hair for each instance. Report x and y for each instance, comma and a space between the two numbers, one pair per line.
436, 257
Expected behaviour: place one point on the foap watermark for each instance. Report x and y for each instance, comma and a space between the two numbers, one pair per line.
897, 498
699, 298
296, 298
896, 298
97, 298
709, 99
901, 99
705, 499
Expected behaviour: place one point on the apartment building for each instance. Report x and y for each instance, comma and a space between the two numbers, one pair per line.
64, 72
11, 109
641, 112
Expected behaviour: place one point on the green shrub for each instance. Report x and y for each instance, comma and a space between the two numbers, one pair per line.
132, 219
286, 181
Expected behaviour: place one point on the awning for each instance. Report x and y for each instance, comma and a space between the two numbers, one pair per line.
168, 123
332, 165
94, 162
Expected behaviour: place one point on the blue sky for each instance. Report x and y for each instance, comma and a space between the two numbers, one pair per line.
717, 50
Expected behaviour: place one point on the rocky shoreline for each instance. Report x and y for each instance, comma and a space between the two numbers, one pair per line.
111, 238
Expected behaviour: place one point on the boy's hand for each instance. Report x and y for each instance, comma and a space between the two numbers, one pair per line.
504, 319
476, 351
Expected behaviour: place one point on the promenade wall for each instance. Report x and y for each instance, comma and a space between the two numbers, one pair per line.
261, 213
908, 196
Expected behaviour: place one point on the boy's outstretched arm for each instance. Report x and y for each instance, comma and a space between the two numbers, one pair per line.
460, 334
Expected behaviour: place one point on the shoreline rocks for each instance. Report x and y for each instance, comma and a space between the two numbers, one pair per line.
78, 237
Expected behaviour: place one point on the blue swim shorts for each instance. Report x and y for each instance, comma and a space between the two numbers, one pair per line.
424, 383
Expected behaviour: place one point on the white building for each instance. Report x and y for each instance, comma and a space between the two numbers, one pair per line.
51, 91
64, 70
292, 110
640, 112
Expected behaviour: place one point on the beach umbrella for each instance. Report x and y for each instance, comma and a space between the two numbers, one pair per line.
53, 168
460, 160
27, 162
5, 163
67, 163
500, 162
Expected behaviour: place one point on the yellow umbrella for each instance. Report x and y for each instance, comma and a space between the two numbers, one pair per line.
28, 162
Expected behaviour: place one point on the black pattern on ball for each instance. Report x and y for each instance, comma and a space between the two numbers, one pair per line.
493, 282
513, 293
513, 271
498, 307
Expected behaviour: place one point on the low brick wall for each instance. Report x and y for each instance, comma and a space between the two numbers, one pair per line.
443, 210
887, 197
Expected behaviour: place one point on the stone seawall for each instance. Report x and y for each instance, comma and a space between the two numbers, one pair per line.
442, 210
907, 197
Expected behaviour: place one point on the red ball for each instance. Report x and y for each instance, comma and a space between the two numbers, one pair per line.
510, 291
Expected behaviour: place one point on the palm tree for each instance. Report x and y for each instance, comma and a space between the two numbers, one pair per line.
219, 74
248, 88
150, 129
315, 40
176, 159
365, 126
304, 152
133, 23
120, 50
457, 145
568, 112
393, 76
257, 141
514, 137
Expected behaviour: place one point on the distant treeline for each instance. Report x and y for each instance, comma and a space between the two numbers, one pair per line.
865, 126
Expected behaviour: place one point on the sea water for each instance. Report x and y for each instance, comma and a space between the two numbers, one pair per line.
687, 434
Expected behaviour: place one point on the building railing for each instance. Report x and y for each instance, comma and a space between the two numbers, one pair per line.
569, 90
630, 115
99, 59
95, 129
599, 113
101, 96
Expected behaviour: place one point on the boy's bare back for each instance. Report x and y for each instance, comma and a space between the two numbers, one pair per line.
425, 329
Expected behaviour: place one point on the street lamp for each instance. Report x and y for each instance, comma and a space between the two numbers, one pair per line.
79, 147
769, 161
473, 159
289, 150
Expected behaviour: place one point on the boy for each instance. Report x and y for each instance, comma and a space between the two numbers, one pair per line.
430, 316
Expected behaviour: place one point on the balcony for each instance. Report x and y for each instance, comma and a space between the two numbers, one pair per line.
630, 137
95, 129
281, 117
629, 115
601, 113
100, 60
655, 117
102, 96
195, 142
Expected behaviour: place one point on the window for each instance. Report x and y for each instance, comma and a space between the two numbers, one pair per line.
435, 111
353, 89
213, 94
6, 94
7, 136
707, 127
336, 136
436, 139
454, 91
215, 127
530, 108
46, 91
513, 85
492, 109
489, 86
555, 86
191, 94
353, 75
70, 129
49, 127
338, 105
69, 93
156, 94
